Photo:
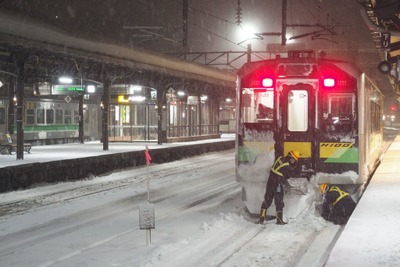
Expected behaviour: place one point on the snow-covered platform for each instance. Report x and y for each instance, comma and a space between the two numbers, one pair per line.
372, 235
55, 163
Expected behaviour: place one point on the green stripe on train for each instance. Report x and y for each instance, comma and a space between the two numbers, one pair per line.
344, 155
48, 128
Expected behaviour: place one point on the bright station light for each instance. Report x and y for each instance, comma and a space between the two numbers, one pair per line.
247, 32
65, 80
91, 88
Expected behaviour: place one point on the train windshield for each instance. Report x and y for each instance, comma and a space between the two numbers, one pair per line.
257, 105
339, 111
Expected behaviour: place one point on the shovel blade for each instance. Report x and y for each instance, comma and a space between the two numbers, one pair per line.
298, 186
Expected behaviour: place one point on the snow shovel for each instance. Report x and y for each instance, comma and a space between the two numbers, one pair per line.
297, 186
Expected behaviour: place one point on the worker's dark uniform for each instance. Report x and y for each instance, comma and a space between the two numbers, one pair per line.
280, 172
338, 205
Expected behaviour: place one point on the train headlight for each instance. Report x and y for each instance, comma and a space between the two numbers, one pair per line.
267, 82
329, 82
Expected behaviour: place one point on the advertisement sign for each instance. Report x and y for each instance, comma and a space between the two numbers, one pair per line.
63, 89
193, 100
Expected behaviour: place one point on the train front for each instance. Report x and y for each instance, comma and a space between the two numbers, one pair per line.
306, 104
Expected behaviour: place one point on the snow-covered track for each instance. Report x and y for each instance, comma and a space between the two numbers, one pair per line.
199, 218
168, 201
139, 175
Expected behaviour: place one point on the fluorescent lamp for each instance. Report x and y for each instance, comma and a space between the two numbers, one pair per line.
66, 80
91, 88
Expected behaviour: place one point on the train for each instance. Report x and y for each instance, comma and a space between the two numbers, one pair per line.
52, 120
327, 109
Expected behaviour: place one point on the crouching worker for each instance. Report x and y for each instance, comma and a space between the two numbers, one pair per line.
338, 204
280, 172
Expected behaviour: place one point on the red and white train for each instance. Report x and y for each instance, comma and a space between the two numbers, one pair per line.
324, 108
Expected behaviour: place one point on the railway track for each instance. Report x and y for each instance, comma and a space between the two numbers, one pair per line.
138, 176
195, 192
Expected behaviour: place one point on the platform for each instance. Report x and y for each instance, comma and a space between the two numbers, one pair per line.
55, 163
371, 236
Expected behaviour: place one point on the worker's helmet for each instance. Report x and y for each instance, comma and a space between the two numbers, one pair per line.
294, 154
323, 188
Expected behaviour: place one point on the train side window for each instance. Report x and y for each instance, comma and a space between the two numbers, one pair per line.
49, 116
30, 116
59, 116
76, 116
376, 117
40, 116
297, 119
68, 116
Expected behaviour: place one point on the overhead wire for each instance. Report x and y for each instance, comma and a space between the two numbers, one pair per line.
226, 21
330, 20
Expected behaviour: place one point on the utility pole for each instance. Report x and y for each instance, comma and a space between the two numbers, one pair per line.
284, 8
238, 14
249, 52
185, 11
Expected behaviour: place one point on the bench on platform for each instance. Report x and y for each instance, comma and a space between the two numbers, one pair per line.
7, 146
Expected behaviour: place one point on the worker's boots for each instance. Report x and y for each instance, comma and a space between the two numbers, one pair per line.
279, 218
263, 213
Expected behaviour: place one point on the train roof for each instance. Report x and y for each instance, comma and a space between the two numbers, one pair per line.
346, 66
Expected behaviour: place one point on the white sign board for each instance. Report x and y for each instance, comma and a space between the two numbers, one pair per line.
146, 216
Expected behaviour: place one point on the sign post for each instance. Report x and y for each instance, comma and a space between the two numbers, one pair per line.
148, 159
146, 211
147, 220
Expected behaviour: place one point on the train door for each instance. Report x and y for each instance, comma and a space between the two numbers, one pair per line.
296, 124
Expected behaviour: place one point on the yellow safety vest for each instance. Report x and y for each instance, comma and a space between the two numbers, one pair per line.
279, 164
342, 194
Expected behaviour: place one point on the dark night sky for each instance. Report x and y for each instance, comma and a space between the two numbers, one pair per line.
211, 24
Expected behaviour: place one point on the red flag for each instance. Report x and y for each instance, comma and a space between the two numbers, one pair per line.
148, 157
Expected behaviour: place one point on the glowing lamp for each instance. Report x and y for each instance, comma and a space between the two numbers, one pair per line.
65, 80
267, 82
329, 82
91, 88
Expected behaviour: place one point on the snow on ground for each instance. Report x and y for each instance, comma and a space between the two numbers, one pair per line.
92, 148
372, 235
218, 232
